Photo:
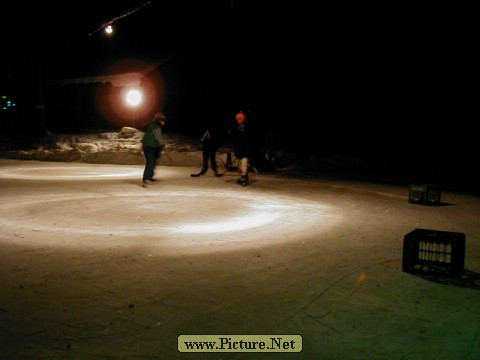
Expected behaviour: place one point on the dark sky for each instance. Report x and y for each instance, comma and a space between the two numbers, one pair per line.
323, 72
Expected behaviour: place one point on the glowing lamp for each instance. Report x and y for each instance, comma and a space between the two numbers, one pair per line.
133, 97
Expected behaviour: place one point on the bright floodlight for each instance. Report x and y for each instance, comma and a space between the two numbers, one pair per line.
133, 97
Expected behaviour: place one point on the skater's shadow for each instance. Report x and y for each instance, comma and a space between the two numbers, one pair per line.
236, 182
140, 183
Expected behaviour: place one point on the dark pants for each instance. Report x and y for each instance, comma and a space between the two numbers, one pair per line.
151, 156
209, 155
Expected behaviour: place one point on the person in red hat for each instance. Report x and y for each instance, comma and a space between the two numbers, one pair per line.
242, 147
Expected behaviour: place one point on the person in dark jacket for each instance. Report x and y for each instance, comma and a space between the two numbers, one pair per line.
152, 144
210, 145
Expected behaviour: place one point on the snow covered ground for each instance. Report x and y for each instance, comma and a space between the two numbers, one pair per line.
101, 147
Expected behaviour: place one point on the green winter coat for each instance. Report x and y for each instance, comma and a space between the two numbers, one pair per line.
153, 136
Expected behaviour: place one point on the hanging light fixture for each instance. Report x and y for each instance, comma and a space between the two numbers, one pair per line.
108, 29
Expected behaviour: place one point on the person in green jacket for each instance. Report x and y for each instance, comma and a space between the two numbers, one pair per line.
152, 144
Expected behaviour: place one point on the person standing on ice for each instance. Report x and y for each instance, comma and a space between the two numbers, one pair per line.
210, 145
242, 147
152, 144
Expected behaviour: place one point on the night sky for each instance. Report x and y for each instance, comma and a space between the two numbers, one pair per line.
353, 78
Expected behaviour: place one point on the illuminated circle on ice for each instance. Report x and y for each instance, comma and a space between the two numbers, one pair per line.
69, 172
195, 216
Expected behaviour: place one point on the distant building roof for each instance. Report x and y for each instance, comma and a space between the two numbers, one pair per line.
123, 79
128, 79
